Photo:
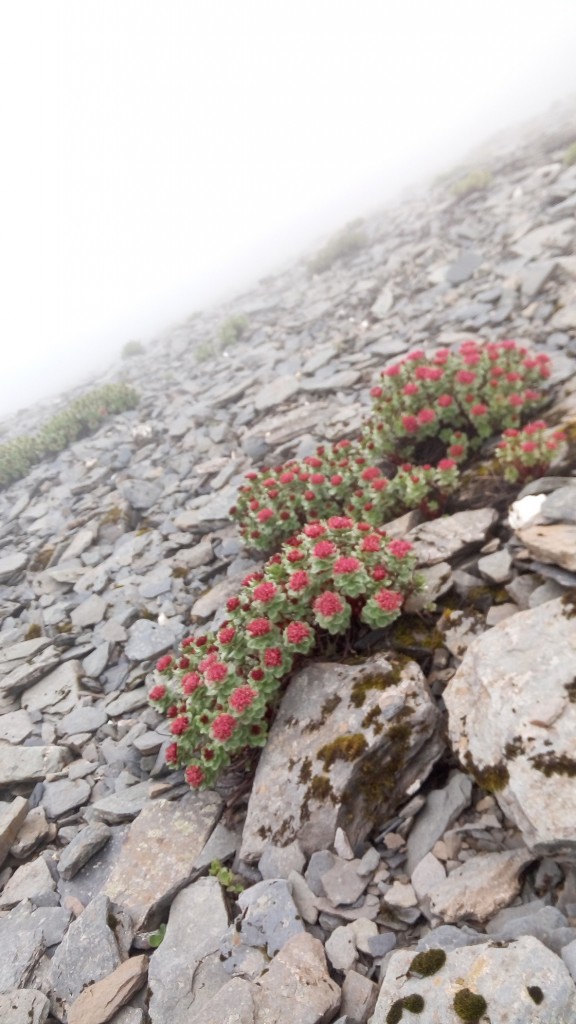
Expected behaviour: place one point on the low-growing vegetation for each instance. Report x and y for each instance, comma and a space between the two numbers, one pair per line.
233, 328
474, 181
132, 348
346, 242
335, 574
82, 417
570, 155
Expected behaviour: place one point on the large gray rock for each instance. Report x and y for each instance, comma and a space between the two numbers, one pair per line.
441, 809
185, 971
22, 945
347, 744
29, 764
479, 888
12, 817
442, 538
269, 917
512, 721
94, 946
24, 1006
520, 982
159, 853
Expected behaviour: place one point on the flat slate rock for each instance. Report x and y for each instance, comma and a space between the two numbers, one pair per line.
159, 853
347, 743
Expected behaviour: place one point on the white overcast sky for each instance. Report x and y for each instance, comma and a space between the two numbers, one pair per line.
158, 152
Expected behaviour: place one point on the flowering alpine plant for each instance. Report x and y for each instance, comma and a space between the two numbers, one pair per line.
527, 453
476, 389
328, 579
340, 478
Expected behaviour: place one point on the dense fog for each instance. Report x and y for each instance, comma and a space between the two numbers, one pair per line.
159, 156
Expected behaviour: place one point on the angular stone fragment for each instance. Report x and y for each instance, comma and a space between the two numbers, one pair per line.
83, 847
555, 543
232, 1004
15, 727
159, 853
519, 981
29, 764
441, 809
30, 671
297, 974
24, 1006
347, 743
269, 918
442, 538
63, 795
94, 946
32, 881
56, 691
185, 971
12, 817
482, 886
12, 566
147, 639
122, 806
512, 721
90, 612
99, 1002
22, 945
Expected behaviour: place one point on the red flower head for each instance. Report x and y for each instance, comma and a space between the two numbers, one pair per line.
324, 549
223, 727
272, 657
314, 530
179, 725
171, 753
328, 604
217, 672
264, 515
445, 401
426, 416
163, 663
479, 410
298, 580
410, 424
191, 682
376, 392
371, 543
232, 604
242, 698
259, 627
446, 464
226, 634
340, 522
465, 376
194, 776
295, 555
371, 473
399, 548
296, 632
265, 592
389, 600
342, 566
157, 692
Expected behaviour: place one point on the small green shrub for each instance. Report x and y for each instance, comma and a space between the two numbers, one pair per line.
233, 328
228, 880
474, 181
132, 348
204, 351
82, 417
570, 155
349, 240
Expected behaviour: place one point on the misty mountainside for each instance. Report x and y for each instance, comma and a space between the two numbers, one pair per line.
404, 844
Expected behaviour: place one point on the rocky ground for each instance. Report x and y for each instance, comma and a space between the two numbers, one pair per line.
465, 841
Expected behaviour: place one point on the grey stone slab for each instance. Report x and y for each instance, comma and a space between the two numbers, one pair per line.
122, 806
12, 566
15, 726
90, 612
441, 810
464, 266
501, 975
269, 917
95, 945
159, 853
84, 719
55, 691
334, 730
12, 817
22, 947
185, 971
147, 640
63, 795
33, 881
30, 764
24, 1006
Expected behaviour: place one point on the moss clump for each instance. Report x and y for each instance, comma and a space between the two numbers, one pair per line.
395, 1012
305, 773
370, 720
33, 631
329, 705
469, 1005
321, 788
345, 748
377, 681
568, 602
132, 348
414, 1003
555, 764
492, 778
474, 181
536, 994
514, 748
571, 691
427, 963
41, 560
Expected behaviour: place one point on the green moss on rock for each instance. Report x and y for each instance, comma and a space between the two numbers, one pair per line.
536, 994
469, 1005
427, 963
344, 748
